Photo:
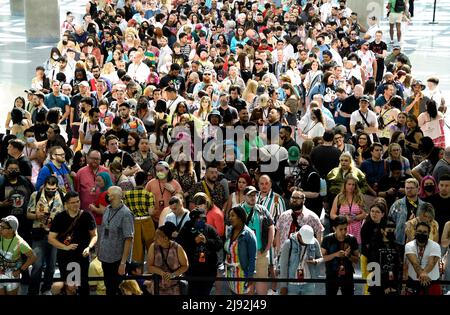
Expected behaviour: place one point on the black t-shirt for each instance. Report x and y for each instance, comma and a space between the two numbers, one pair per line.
310, 181
324, 159
442, 210
350, 104
121, 134
238, 103
123, 157
19, 193
229, 111
40, 131
79, 233
177, 82
332, 245
378, 48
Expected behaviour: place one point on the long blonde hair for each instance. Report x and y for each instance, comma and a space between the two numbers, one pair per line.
349, 156
200, 109
357, 195
251, 87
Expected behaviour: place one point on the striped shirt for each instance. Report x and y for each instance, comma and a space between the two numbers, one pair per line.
273, 202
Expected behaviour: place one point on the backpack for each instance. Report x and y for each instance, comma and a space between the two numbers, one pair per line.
323, 185
399, 6
68, 180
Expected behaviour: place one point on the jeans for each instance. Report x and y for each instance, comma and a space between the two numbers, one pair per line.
46, 254
111, 274
303, 289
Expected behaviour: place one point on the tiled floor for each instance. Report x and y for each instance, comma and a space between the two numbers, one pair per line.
426, 45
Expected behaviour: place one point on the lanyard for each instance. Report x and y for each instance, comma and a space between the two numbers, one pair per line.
162, 190
420, 253
112, 217
7, 250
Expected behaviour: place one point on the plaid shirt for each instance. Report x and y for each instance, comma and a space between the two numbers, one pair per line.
139, 200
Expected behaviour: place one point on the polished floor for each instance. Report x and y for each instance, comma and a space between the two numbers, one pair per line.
426, 45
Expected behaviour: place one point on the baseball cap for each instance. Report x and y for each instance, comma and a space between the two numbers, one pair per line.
396, 46
163, 163
12, 222
249, 190
30, 91
307, 234
293, 153
364, 98
198, 26
84, 83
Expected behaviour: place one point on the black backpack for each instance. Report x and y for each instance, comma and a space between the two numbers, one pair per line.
399, 6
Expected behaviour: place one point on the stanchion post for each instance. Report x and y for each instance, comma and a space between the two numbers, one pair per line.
434, 14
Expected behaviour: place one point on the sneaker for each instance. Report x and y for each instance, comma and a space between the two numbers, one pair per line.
272, 292
48, 292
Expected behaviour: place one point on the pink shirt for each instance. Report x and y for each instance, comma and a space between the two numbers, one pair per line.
85, 183
161, 195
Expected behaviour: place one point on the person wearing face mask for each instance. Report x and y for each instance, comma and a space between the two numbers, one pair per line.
425, 213
422, 256
42, 209
163, 187
300, 255
201, 243
385, 252
15, 189
297, 216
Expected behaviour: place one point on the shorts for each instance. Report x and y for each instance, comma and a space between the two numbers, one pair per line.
9, 286
262, 265
395, 17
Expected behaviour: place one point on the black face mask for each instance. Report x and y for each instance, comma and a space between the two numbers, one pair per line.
429, 188
421, 237
13, 174
401, 143
64, 42
107, 199
50, 194
90, 44
390, 236
83, 110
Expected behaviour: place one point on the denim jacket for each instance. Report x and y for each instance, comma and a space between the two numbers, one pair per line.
398, 213
289, 265
246, 250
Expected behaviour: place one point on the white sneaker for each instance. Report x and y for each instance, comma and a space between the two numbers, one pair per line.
272, 292
48, 292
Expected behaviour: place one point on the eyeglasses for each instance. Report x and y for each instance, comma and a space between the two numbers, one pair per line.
60, 154
297, 198
258, 63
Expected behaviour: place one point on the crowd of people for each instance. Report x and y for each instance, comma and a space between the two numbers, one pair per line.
226, 139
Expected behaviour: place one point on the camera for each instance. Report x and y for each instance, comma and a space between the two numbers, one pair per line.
359, 127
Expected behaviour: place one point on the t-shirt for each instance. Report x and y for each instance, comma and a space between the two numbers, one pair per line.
350, 104
79, 233
432, 249
12, 249
123, 157
324, 159
370, 117
179, 221
332, 245
378, 49
374, 170
254, 225
60, 101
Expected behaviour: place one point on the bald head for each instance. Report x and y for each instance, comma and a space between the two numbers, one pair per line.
358, 90
265, 184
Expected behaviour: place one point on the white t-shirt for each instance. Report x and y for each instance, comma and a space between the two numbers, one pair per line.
178, 220
370, 116
432, 249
